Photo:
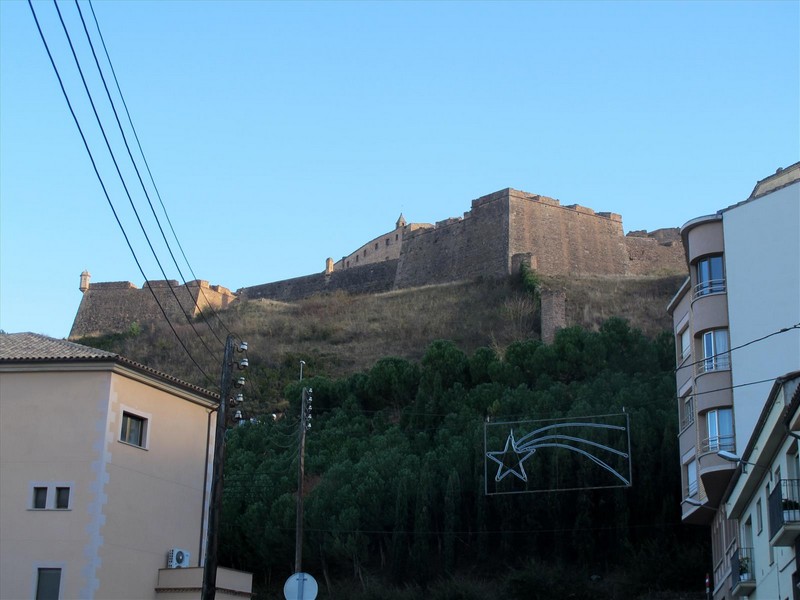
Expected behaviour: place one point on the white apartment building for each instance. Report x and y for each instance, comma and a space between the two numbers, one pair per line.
733, 320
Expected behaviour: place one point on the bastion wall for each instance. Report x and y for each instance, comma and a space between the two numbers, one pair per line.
114, 306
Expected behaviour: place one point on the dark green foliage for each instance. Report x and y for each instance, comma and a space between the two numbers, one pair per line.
395, 504
529, 279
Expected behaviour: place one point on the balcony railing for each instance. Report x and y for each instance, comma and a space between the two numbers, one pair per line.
743, 573
718, 442
711, 286
718, 362
784, 511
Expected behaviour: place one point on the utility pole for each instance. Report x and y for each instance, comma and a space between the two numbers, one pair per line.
215, 508
305, 416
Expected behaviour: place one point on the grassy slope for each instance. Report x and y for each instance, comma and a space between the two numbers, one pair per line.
341, 334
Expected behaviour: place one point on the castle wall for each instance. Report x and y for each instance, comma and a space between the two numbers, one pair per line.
565, 240
456, 249
500, 231
659, 252
384, 247
115, 306
367, 279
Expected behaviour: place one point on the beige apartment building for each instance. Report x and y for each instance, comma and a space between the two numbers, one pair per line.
734, 321
105, 472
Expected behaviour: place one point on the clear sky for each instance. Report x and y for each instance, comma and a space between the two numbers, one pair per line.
281, 133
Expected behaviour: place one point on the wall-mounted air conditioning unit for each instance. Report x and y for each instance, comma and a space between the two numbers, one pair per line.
177, 558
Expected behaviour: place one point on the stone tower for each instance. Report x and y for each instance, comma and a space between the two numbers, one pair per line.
85, 277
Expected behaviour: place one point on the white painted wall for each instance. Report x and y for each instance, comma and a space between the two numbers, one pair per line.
762, 262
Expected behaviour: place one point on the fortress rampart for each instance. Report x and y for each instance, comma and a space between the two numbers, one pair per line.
499, 232
114, 306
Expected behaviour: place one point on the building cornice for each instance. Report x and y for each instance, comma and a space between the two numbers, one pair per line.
120, 366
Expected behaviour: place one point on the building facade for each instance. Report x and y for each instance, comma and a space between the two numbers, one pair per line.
733, 321
105, 472
764, 500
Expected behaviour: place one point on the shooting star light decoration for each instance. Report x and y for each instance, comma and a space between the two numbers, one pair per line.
511, 458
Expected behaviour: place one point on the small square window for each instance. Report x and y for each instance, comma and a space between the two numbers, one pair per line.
134, 429
40, 497
62, 497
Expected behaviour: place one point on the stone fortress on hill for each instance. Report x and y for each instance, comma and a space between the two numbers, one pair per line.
500, 232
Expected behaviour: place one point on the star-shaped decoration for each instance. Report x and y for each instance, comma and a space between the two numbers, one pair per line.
510, 459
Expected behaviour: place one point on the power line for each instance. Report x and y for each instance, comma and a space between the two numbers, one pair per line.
103, 186
739, 347
149, 172
122, 180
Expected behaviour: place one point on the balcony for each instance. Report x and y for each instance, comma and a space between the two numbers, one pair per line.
743, 572
714, 471
783, 508
710, 286
718, 362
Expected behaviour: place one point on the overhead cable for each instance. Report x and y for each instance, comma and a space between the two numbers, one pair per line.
124, 184
105, 190
147, 166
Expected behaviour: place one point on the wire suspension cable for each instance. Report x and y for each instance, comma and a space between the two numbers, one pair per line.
138, 174
124, 185
739, 347
149, 172
103, 186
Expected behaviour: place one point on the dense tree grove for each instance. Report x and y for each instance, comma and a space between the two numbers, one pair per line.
395, 504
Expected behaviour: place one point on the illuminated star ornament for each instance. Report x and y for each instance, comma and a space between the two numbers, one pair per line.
510, 459
516, 451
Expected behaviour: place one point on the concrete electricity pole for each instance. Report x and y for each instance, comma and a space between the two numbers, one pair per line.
305, 416
215, 508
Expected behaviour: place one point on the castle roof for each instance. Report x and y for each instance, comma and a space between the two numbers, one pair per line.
401, 221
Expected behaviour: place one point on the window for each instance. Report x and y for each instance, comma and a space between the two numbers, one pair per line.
51, 496
691, 478
720, 429
759, 517
715, 351
387, 241
687, 410
685, 344
48, 583
710, 277
62, 497
39, 497
134, 429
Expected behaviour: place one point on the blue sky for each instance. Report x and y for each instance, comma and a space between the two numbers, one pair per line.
283, 133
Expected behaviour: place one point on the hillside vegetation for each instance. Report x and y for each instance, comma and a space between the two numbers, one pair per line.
396, 477
339, 334
396, 470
